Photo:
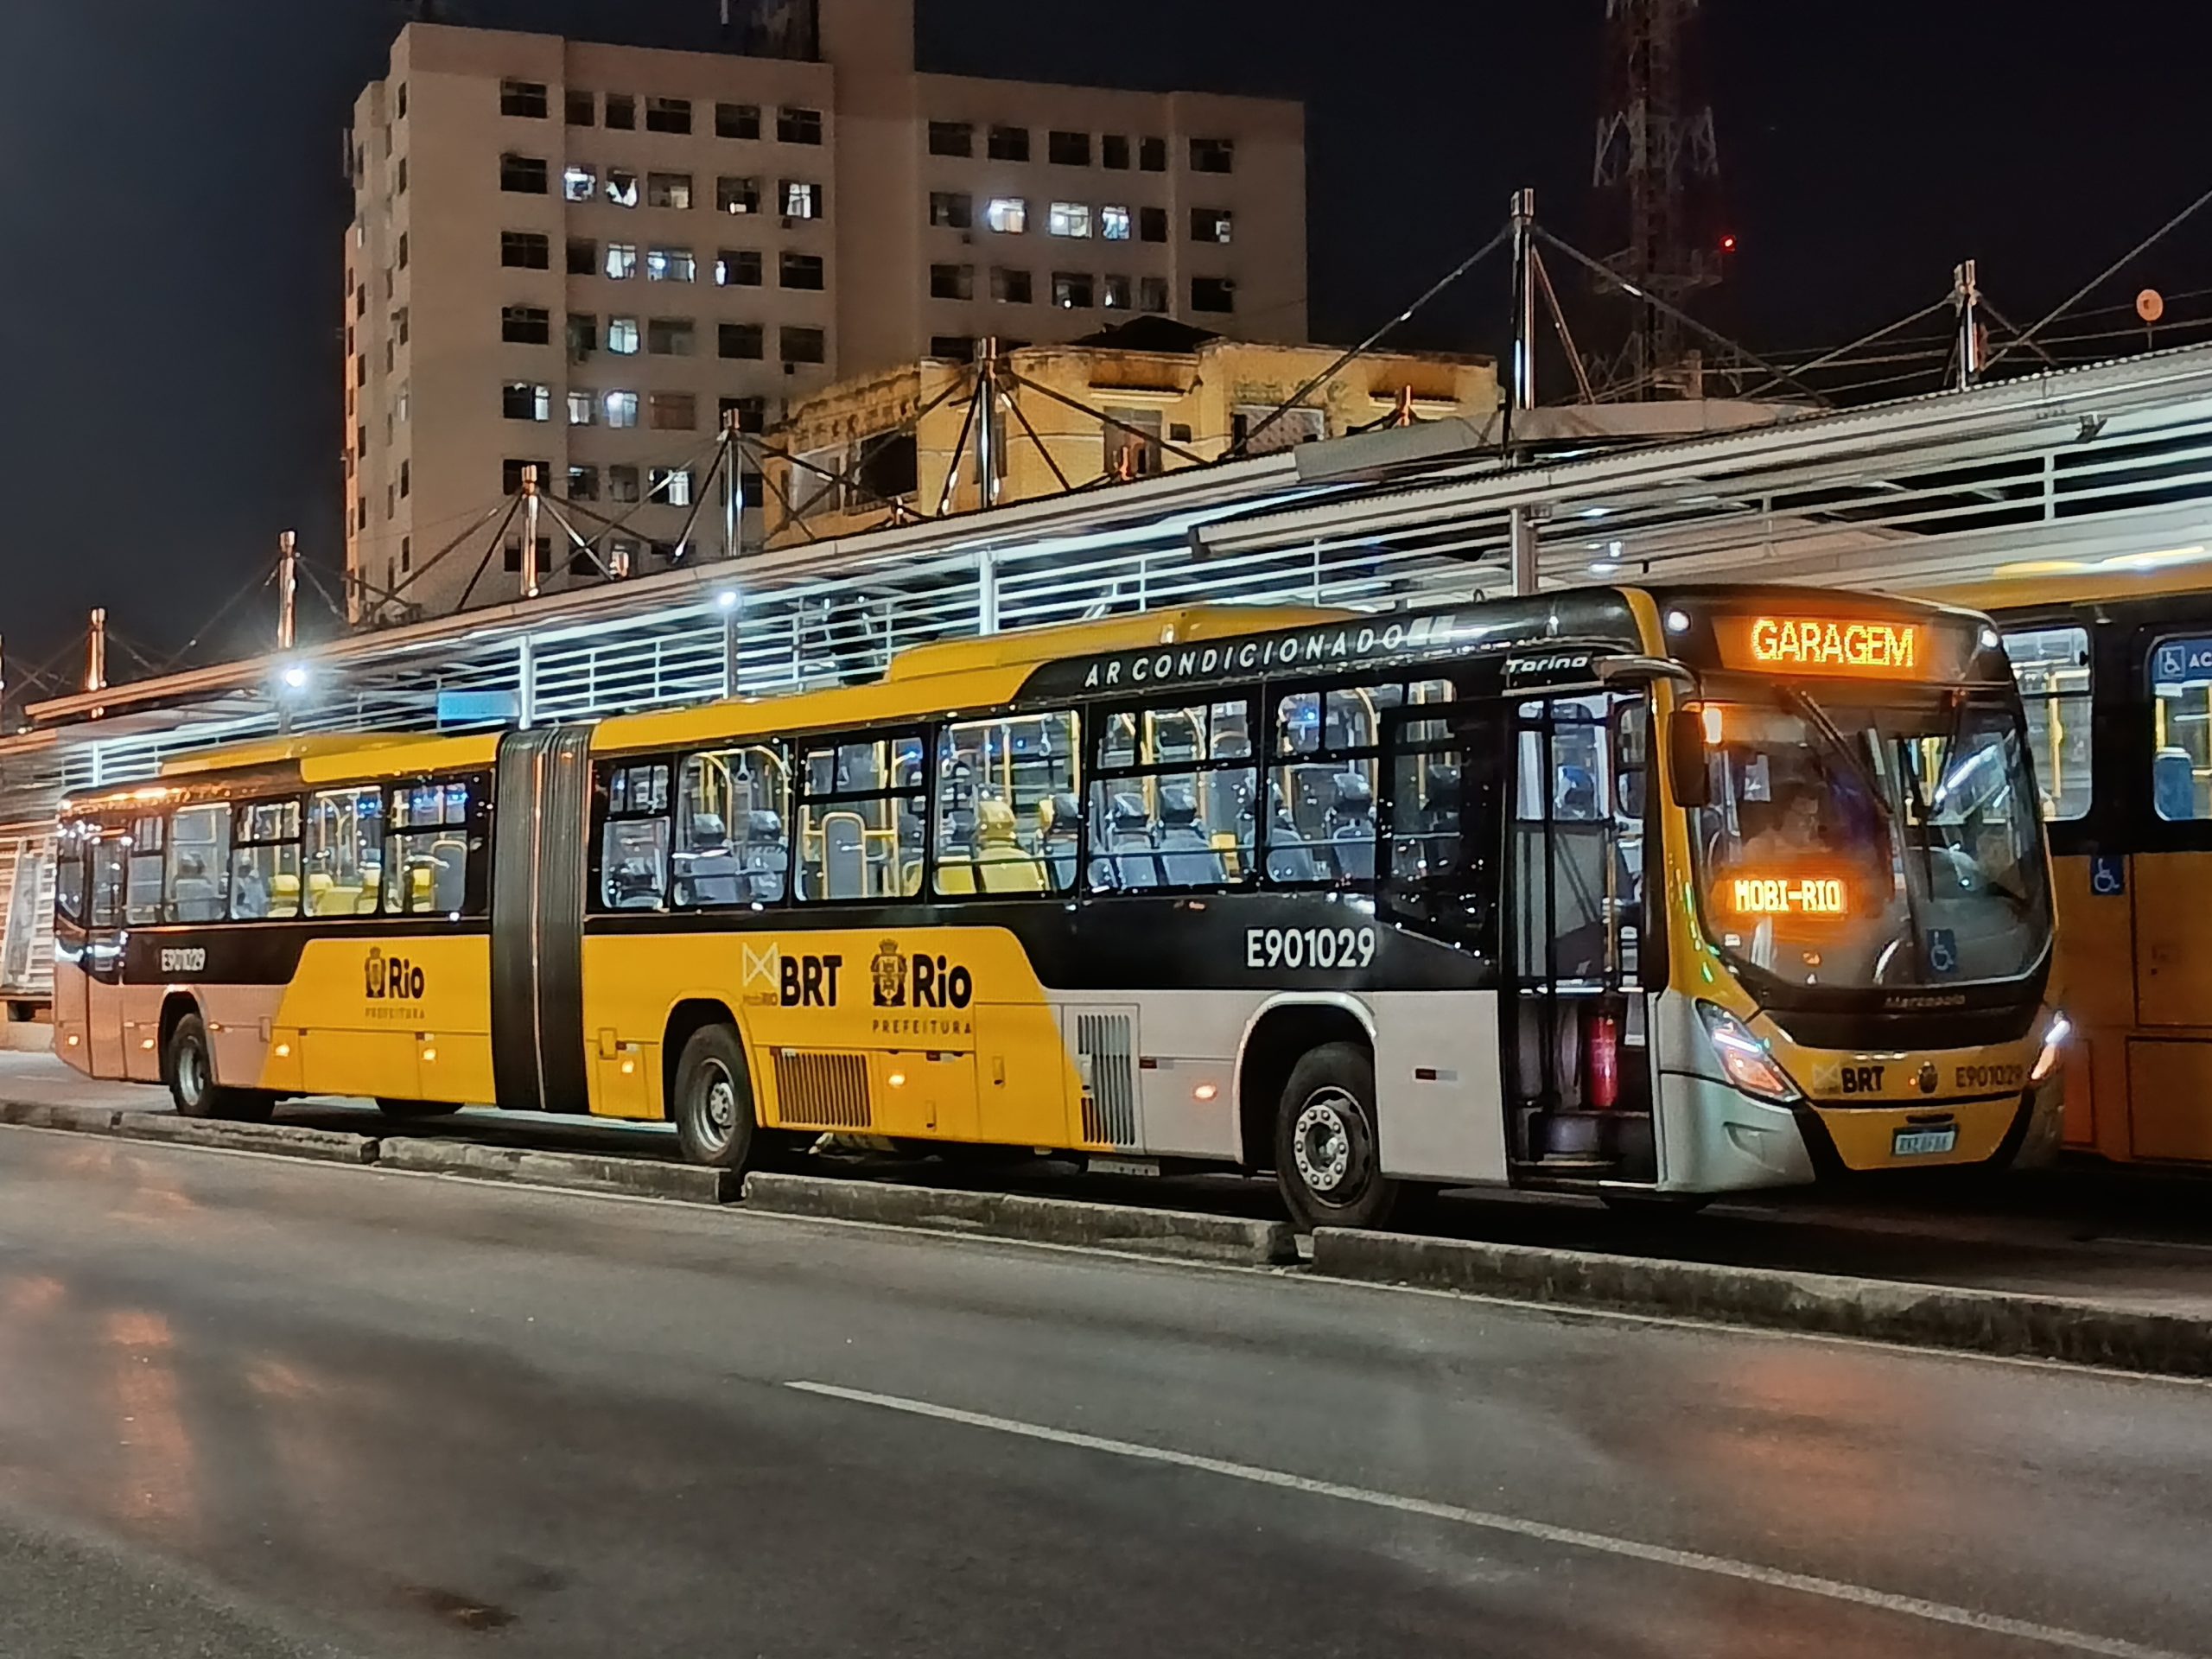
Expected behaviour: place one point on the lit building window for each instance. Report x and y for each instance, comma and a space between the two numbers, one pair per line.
802, 200
522, 400
670, 266
621, 187
580, 183
1009, 215
1069, 218
1114, 223
621, 408
622, 338
672, 485
1071, 290
621, 260
583, 408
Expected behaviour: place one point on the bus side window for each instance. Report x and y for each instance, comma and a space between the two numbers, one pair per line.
432, 862
733, 836
2181, 736
1007, 822
860, 831
69, 873
1324, 781
199, 863
634, 844
2052, 668
1172, 796
344, 865
141, 900
109, 859
266, 860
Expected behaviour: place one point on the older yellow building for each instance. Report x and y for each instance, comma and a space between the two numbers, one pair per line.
1151, 396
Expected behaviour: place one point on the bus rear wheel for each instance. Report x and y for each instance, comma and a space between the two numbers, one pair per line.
1328, 1162
188, 1064
712, 1103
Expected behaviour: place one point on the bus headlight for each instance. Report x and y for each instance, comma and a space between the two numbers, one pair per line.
1745, 1058
2054, 1040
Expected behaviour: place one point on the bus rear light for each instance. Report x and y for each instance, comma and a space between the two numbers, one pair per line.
2053, 1041
1750, 1067
1604, 1046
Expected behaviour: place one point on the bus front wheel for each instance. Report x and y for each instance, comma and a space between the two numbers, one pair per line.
189, 1064
1327, 1158
713, 1101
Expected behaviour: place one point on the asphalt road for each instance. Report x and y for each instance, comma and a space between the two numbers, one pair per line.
2133, 1238
253, 1407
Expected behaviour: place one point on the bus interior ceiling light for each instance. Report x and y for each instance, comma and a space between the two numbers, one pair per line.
727, 599
293, 676
1745, 1057
1677, 622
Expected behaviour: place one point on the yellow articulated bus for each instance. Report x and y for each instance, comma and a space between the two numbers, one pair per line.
2115, 671
1658, 893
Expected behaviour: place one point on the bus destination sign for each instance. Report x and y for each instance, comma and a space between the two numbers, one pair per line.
1825, 644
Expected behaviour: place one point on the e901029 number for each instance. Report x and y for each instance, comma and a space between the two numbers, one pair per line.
1308, 947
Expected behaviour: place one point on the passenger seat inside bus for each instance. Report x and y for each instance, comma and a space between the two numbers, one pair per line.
195, 899
766, 860
1132, 865
1002, 863
1063, 836
707, 872
1187, 856
451, 887
1351, 828
2173, 785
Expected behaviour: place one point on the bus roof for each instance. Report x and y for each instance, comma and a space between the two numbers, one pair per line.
341, 755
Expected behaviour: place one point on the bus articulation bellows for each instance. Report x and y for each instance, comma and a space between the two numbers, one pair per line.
1658, 893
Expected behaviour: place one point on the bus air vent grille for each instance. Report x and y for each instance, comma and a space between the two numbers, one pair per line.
826, 1091
1105, 1047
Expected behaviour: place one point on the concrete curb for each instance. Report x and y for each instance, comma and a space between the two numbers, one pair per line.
285, 1140
648, 1177
37, 1115
1877, 1310
1179, 1234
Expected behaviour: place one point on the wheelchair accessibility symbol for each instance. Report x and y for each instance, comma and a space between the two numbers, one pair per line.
2107, 875
1943, 951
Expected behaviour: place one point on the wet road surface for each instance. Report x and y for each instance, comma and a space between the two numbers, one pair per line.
249, 1406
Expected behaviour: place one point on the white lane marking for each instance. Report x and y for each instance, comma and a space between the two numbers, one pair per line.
1689, 1560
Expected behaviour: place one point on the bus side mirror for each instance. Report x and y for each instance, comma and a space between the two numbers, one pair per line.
1686, 769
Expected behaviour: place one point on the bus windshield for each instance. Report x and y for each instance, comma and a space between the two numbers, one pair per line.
1851, 844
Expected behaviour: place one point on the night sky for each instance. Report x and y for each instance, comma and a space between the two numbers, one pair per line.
170, 222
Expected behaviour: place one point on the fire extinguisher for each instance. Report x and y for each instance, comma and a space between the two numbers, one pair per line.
1602, 1058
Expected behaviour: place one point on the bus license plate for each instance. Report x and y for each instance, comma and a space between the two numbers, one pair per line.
1920, 1143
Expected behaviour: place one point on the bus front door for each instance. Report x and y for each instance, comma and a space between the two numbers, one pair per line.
1578, 1076
102, 956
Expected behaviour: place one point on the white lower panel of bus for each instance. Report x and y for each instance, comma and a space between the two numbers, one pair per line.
1162, 1068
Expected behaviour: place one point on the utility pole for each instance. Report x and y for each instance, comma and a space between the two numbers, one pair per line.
733, 485
987, 437
1966, 301
288, 590
530, 531
1521, 395
96, 651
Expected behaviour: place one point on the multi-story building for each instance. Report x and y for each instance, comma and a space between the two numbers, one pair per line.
586, 258
1147, 396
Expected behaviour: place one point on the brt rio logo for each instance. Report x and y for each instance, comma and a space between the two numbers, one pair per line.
392, 976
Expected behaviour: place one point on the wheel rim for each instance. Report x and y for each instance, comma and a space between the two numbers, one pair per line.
191, 1072
1322, 1145
717, 1112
